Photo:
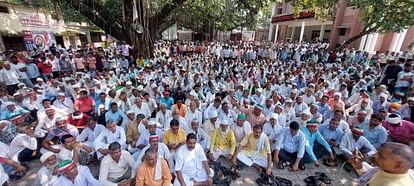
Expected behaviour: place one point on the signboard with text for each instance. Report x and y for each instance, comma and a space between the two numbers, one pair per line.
33, 20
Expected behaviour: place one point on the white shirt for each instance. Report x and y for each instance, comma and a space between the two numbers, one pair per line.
66, 105
163, 118
20, 142
189, 116
65, 154
84, 178
111, 169
107, 137
10, 77
45, 177
144, 109
17, 67
190, 162
90, 135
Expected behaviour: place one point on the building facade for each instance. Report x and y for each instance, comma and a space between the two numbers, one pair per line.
346, 24
25, 29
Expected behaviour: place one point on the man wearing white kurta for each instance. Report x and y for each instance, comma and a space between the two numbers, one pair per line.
23, 145
191, 164
111, 134
272, 129
116, 167
90, 133
74, 175
162, 152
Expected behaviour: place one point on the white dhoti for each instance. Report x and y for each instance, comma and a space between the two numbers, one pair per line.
200, 176
220, 152
250, 160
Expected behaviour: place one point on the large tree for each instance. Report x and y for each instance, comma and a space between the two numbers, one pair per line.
377, 15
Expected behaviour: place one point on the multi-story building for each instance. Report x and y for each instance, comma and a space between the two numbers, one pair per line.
345, 24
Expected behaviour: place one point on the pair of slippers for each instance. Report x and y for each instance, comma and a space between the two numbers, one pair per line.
320, 178
284, 164
272, 180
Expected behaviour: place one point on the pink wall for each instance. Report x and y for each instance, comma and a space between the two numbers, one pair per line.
409, 38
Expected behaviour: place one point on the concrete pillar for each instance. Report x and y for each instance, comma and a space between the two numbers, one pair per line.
322, 33
373, 42
2, 47
302, 31
401, 40
88, 36
274, 8
276, 32
362, 43
333, 39
368, 45
292, 34
269, 38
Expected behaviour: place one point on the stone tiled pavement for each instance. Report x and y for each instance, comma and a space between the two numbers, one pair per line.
248, 175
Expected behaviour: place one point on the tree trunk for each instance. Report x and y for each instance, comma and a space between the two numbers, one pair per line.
356, 37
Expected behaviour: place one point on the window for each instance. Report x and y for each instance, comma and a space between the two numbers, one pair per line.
4, 9
342, 31
279, 10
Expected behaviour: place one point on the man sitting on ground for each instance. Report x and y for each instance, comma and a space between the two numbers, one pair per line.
154, 171
394, 162
116, 167
191, 164
254, 150
290, 147
354, 142
111, 134
47, 174
72, 174
223, 142
316, 146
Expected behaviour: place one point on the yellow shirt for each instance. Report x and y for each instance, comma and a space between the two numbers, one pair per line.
382, 178
227, 141
249, 145
171, 138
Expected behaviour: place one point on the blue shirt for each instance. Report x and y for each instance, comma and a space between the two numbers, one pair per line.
329, 134
6, 114
32, 71
324, 110
169, 102
311, 138
291, 143
375, 136
118, 116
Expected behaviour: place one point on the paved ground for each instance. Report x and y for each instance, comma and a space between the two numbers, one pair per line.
248, 177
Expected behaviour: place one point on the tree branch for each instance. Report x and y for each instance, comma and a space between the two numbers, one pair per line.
166, 11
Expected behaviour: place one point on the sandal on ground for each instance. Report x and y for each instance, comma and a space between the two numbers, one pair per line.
279, 181
323, 177
329, 163
282, 165
312, 181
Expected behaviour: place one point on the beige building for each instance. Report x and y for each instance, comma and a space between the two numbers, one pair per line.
25, 28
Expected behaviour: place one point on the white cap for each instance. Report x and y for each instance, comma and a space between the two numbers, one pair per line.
289, 100
140, 88
306, 112
39, 79
410, 99
128, 83
213, 114
225, 122
129, 112
259, 90
61, 94
274, 116
394, 119
61, 118
192, 93
338, 94
46, 156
